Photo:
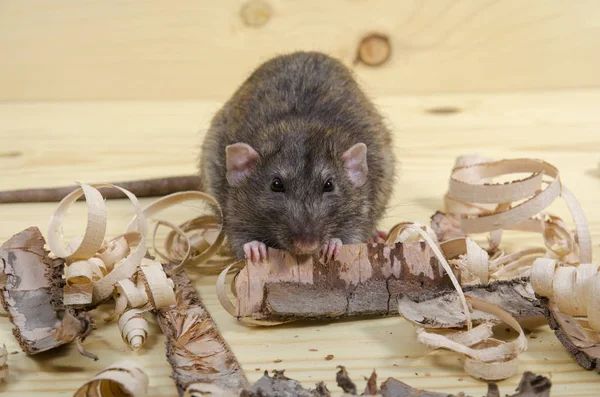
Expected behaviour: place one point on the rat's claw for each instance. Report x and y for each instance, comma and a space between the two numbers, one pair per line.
332, 248
255, 251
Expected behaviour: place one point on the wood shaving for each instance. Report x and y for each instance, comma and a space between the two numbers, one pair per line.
90, 245
563, 271
487, 207
134, 328
195, 250
122, 379
487, 358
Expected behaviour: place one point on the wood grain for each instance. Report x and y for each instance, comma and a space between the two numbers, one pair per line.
45, 144
154, 49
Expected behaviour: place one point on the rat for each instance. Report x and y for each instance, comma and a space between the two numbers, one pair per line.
299, 159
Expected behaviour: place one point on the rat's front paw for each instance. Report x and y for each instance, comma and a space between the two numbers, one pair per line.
255, 251
378, 237
332, 248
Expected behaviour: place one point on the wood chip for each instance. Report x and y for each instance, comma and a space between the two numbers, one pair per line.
344, 382
278, 385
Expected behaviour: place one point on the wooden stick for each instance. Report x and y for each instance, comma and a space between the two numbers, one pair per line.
32, 295
196, 350
141, 188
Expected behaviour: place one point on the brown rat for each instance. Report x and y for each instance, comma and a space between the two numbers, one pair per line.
299, 159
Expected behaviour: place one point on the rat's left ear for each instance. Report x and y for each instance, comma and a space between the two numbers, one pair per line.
355, 162
240, 158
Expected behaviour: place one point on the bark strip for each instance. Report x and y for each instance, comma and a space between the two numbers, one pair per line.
196, 350
582, 345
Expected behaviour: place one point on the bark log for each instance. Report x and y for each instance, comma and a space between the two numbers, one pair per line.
141, 188
582, 345
364, 280
196, 350
32, 295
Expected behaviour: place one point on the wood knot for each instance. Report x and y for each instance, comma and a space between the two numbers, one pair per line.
443, 110
374, 49
13, 153
256, 13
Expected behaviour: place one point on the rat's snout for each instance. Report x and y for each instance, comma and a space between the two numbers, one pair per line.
306, 247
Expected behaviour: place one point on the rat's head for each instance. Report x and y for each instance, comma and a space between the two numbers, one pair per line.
297, 191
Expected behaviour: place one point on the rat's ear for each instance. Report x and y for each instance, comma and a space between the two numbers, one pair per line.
240, 157
355, 162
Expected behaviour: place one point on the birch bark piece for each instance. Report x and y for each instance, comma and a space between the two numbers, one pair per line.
32, 295
196, 350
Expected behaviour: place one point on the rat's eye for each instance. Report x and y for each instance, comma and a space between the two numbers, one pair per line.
277, 185
328, 186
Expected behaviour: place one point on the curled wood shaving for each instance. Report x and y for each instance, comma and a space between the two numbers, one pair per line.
122, 379
477, 267
575, 290
90, 244
195, 249
427, 237
3, 363
487, 358
134, 328
151, 289
487, 207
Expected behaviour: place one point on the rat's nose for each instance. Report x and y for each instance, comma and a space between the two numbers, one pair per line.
305, 247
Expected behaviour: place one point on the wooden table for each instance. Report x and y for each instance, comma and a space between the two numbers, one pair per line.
45, 144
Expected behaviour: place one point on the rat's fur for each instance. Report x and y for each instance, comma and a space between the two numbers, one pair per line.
300, 112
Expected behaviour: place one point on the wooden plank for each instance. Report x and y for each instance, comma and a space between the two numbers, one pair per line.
44, 144
57, 50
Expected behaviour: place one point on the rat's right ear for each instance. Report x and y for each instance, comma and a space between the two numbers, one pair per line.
240, 157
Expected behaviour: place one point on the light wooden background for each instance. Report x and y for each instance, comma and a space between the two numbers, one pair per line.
99, 91
200, 49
